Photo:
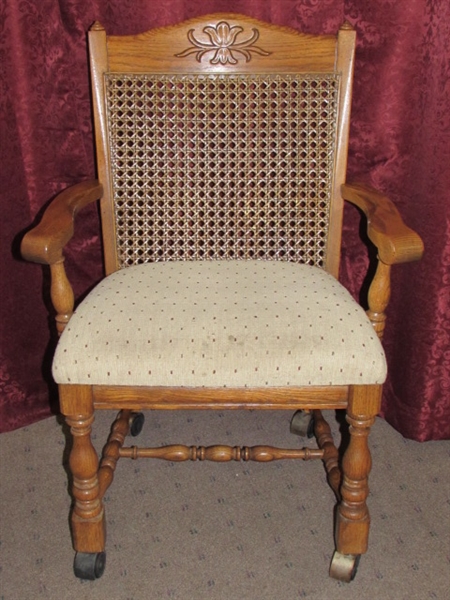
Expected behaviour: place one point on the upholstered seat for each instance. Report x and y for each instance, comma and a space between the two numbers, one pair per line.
220, 324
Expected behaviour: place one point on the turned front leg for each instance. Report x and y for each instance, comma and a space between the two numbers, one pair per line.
353, 521
88, 521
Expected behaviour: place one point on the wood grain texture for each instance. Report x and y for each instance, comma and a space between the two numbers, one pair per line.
353, 520
45, 242
345, 58
162, 398
88, 518
112, 449
221, 453
99, 65
395, 242
378, 297
322, 432
62, 295
286, 49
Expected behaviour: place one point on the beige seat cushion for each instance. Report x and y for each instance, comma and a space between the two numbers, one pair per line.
219, 323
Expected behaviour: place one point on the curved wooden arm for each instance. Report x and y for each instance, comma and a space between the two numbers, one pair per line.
45, 242
396, 243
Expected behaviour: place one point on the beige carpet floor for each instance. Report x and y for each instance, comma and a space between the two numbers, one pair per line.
197, 531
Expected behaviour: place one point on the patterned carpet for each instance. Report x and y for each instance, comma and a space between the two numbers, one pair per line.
198, 531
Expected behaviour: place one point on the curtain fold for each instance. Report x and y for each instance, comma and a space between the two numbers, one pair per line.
399, 143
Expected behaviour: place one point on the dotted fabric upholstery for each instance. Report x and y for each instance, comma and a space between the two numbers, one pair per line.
221, 166
219, 323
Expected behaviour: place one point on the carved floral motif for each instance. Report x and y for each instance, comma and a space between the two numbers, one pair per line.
223, 43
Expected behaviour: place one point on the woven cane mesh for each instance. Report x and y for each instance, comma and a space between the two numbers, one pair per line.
221, 166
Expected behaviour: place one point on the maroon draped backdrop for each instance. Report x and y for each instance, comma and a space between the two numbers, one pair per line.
400, 142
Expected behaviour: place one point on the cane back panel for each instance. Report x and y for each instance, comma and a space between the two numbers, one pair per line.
221, 166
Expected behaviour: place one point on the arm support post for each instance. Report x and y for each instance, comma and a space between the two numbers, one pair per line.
61, 294
379, 294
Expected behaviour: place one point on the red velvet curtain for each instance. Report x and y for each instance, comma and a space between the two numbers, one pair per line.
400, 142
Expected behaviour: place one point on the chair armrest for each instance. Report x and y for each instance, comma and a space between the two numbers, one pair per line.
396, 243
45, 242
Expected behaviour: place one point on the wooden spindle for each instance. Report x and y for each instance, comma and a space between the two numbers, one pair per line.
61, 294
179, 453
111, 451
330, 458
379, 294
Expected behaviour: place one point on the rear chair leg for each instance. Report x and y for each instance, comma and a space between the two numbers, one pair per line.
353, 520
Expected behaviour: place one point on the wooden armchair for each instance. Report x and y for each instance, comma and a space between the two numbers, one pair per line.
222, 148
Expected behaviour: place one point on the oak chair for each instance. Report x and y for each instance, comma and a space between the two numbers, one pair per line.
221, 148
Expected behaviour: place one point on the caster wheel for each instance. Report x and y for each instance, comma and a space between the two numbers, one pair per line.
302, 424
89, 565
344, 566
136, 423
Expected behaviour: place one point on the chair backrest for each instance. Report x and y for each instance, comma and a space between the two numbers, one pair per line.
222, 137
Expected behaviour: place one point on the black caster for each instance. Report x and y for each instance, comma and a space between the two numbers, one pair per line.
136, 423
89, 565
302, 424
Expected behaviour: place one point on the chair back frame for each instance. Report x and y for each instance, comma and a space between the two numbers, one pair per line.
240, 49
